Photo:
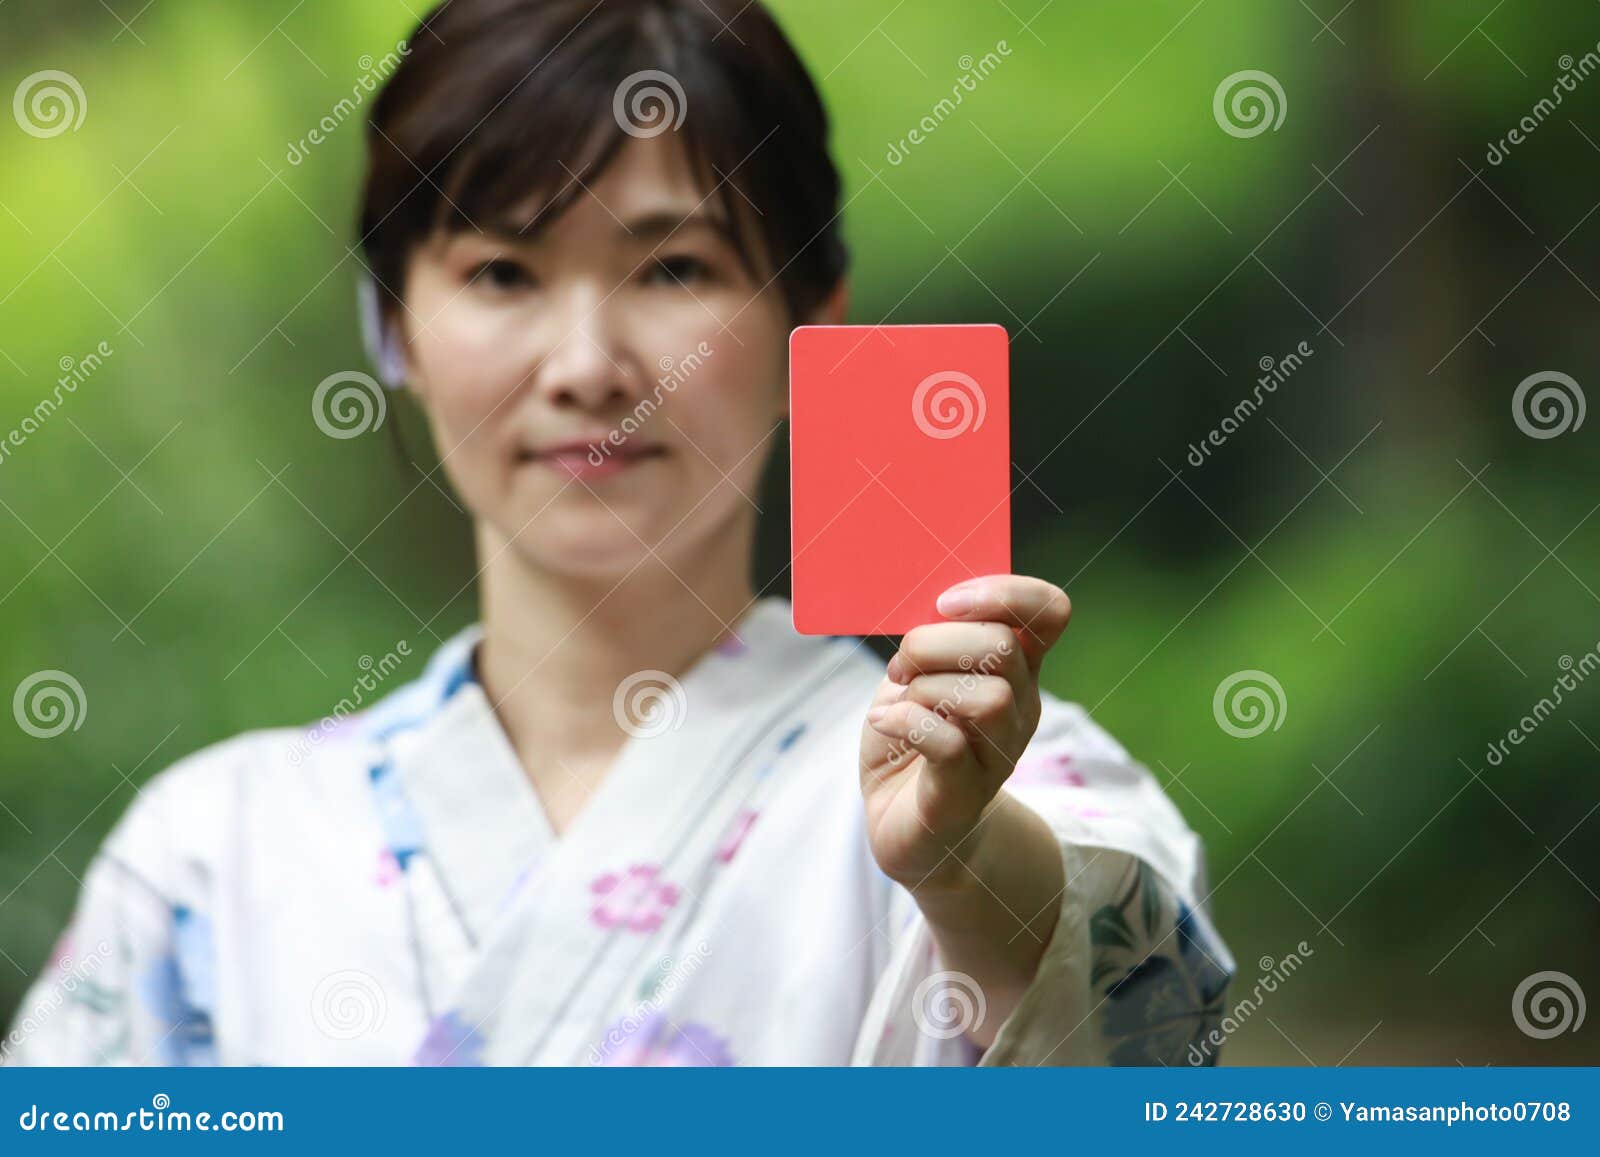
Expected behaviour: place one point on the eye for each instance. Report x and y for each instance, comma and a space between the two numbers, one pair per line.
501, 273
677, 270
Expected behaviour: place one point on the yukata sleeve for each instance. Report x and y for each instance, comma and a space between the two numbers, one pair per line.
131, 980
1134, 972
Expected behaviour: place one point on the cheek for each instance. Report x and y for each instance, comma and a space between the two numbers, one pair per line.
468, 381
729, 416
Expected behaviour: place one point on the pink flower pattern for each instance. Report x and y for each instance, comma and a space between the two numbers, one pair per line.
635, 899
388, 869
735, 835
1054, 770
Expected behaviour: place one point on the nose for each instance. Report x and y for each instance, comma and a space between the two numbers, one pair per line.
582, 369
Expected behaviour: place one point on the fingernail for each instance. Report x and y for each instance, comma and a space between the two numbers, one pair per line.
956, 601
895, 669
876, 714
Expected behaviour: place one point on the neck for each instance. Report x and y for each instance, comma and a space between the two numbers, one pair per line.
556, 646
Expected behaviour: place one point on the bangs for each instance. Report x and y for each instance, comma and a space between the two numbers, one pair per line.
506, 110
533, 157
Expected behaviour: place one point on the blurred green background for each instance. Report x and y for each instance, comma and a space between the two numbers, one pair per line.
1382, 537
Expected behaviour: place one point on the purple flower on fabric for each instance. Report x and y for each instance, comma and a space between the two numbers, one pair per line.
731, 647
635, 899
451, 1043
659, 1042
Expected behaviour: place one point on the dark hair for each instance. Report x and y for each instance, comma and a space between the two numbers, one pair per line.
495, 100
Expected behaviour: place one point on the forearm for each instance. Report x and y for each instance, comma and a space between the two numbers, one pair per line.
994, 907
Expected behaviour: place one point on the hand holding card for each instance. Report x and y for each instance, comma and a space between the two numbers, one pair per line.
900, 470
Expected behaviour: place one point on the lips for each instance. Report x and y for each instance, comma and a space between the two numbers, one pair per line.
594, 457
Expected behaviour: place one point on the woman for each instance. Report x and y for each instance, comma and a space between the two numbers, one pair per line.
634, 818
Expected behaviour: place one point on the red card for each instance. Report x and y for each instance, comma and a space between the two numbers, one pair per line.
900, 447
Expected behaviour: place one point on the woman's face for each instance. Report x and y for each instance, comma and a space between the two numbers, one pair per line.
606, 386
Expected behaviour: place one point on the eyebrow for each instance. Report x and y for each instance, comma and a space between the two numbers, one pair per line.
658, 226
654, 226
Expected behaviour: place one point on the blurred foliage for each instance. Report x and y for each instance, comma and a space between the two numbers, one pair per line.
1381, 537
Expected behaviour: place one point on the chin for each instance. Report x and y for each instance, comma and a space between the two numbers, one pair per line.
592, 552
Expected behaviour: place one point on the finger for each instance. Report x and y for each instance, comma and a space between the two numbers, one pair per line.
985, 700
921, 729
973, 650
987, 709
1037, 609
982, 648
888, 692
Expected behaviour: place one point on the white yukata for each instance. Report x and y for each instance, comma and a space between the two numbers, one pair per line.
393, 894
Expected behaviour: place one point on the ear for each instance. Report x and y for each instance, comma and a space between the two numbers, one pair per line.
386, 347
404, 354
831, 310
834, 308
